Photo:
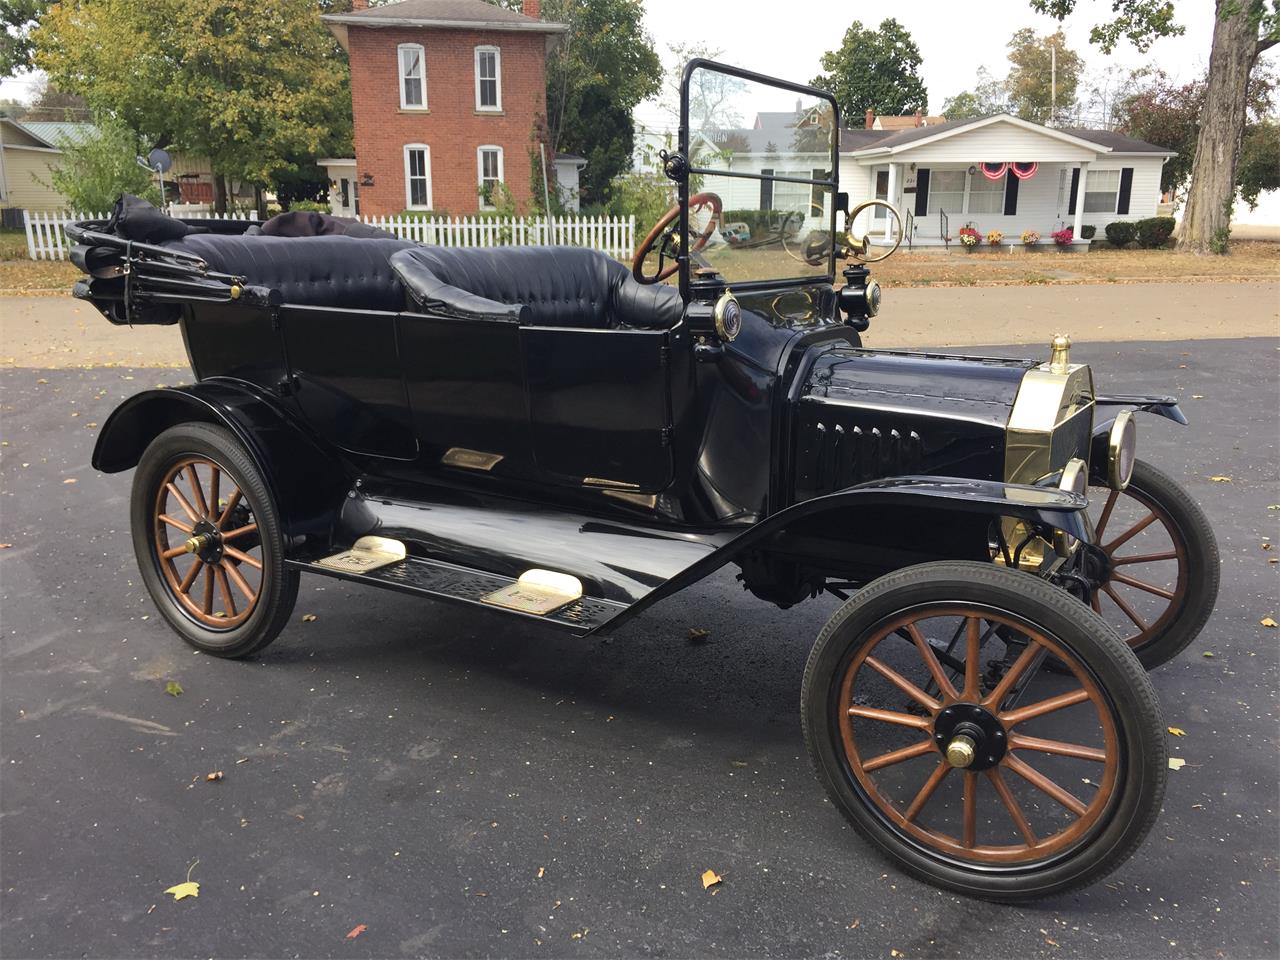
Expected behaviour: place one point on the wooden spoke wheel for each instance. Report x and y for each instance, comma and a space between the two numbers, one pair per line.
206, 543
209, 543
1164, 567
940, 737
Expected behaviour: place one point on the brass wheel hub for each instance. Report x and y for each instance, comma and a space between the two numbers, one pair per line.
205, 542
969, 736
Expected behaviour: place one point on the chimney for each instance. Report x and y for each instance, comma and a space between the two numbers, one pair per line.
532, 8
359, 5
919, 119
871, 119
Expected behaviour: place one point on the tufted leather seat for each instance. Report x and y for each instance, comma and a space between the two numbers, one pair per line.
328, 271
542, 286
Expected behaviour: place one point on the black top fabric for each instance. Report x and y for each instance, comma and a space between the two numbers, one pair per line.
328, 271
542, 286
136, 219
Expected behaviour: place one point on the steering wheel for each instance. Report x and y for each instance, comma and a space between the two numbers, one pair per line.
858, 248
663, 238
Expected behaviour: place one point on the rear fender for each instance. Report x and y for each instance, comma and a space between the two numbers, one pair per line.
943, 518
307, 480
1108, 408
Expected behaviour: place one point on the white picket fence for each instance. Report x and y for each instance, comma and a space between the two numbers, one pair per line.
46, 239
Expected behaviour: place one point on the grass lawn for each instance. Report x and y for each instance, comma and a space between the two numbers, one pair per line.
1249, 260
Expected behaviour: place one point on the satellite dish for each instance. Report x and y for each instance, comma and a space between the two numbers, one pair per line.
159, 160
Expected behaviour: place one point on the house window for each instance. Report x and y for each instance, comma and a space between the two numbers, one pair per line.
489, 166
488, 78
946, 191
791, 197
1100, 191
413, 77
985, 196
417, 176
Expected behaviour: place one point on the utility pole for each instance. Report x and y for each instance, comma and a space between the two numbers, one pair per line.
1053, 82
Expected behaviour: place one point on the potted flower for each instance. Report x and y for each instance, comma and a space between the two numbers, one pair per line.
995, 237
969, 237
1063, 238
1030, 238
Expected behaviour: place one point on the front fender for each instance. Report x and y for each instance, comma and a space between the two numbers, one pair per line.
306, 479
1108, 408
950, 509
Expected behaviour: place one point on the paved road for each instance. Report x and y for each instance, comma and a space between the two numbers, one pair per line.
60, 332
414, 768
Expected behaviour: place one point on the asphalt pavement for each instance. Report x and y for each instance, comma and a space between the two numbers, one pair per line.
402, 778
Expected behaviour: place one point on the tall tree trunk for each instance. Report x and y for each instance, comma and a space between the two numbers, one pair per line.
1206, 221
259, 201
219, 193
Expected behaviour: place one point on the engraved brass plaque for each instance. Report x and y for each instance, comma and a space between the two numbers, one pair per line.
368, 553
470, 459
538, 592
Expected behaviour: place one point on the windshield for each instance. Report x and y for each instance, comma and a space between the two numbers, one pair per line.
761, 177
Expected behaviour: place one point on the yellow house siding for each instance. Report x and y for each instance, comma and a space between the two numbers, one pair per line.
23, 171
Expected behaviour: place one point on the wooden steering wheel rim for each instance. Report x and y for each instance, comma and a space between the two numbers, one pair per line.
665, 221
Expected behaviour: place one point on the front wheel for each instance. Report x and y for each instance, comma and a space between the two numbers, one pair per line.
209, 543
939, 736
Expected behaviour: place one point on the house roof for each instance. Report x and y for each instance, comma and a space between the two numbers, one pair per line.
907, 122
1104, 141
442, 15
1118, 142
56, 133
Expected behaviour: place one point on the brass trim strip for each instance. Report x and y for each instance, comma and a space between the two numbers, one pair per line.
602, 482
470, 459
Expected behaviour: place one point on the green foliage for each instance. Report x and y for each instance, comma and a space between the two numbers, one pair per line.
1154, 231
875, 70
1088, 231
254, 85
1141, 22
648, 196
988, 96
93, 173
596, 75
1121, 233
308, 205
1030, 84
17, 18
1259, 167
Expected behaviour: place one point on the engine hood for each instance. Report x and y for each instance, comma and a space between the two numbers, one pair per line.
867, 414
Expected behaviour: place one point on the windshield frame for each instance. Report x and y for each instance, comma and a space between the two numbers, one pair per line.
688, 286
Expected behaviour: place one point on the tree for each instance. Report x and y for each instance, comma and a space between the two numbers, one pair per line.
1040, 89
877, 70
254, 85
1259, 167
596, 75
17, 19
54, 104
988, 96
1242, 30
96, 170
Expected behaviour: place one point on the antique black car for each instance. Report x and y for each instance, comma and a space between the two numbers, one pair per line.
547, 434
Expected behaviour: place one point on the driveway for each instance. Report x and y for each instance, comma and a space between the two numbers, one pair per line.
454, 784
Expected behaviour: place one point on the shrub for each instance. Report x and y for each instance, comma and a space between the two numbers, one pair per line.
1088, 231
98, 169
1121, 233
1155, 231
309, 205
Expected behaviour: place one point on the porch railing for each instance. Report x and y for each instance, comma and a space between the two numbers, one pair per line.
909, 227
944, 228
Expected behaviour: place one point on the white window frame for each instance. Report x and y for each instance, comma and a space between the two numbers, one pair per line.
408, 186
979, 177
502, 173
497, 77
933, 206
1083, 198
401, 77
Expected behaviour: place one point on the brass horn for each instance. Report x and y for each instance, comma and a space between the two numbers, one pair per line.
858, 248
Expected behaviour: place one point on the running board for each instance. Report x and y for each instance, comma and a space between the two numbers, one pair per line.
476, 588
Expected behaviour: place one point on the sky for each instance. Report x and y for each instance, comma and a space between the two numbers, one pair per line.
786, 39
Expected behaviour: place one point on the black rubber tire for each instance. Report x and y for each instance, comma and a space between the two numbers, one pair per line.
279, 589
1140, 728
1204, 564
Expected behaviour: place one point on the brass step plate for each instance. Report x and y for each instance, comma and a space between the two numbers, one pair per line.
538, 592
368, 553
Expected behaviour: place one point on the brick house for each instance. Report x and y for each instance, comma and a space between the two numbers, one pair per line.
448, 96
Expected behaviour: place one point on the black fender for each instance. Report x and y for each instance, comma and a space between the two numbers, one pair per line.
954, 510
1108, 408
307, 479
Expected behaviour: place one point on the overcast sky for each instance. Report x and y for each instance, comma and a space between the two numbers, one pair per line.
786, 38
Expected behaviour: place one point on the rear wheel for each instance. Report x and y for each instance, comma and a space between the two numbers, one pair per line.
940, 738
208, 541
1163, 580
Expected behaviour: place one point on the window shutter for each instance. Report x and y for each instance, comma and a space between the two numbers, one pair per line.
1010, 194
1075, 190
766, 189
922, 191
1126, 187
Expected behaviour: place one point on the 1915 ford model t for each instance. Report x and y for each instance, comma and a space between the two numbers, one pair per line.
545, 434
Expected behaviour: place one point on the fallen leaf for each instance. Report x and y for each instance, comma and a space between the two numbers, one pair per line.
1220, 479
69, 480
1208, 654
1052, 943
243, 760
698, 633
855, 925
1267, 622
1197, 396
308, 617
1177, 731
189, 889
710, 878
173, 688
1267, 546
579, 934
355, 931
542, 872
216, 775
6, 546
1176, 763
894, 953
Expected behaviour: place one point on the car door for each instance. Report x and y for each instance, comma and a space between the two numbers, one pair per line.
599, 406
